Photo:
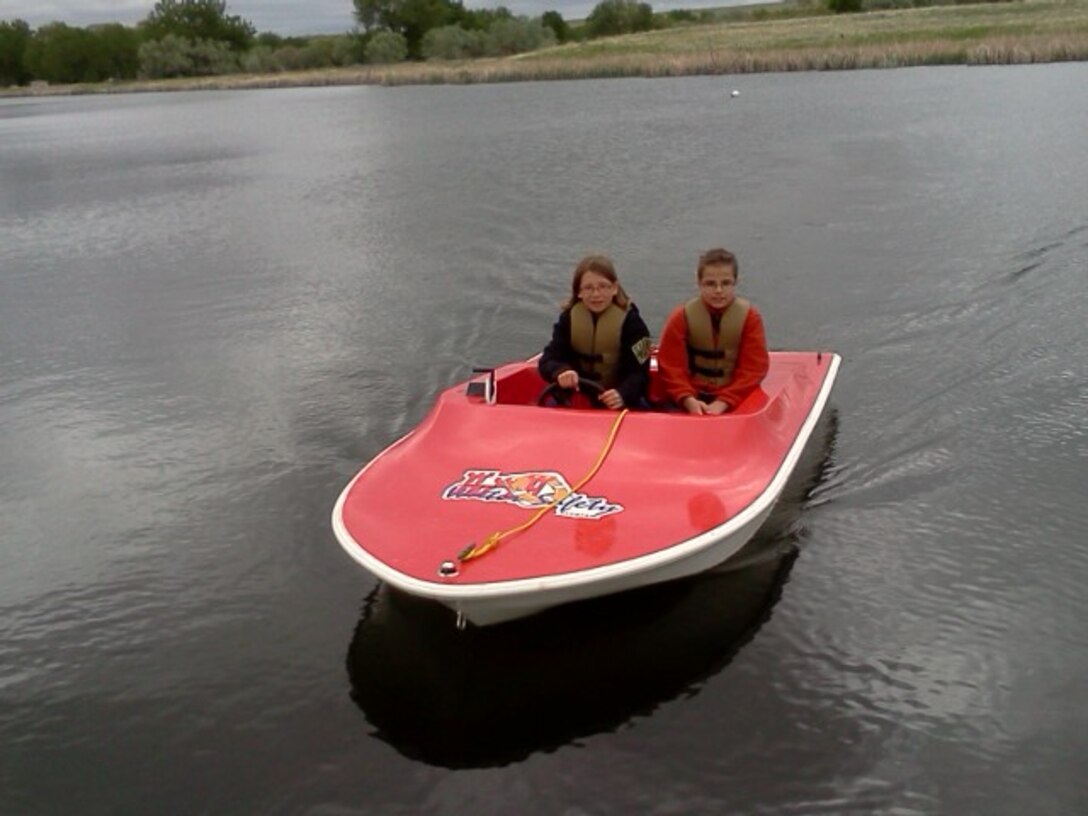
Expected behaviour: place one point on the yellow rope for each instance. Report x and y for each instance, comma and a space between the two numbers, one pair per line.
492, 541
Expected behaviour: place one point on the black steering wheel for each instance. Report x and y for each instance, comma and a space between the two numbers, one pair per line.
562, 396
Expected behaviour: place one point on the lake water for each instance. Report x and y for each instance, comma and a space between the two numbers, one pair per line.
215, 307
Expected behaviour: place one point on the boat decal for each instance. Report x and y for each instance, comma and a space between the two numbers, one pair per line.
531, 490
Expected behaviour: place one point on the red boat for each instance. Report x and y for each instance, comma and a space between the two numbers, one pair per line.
500, 508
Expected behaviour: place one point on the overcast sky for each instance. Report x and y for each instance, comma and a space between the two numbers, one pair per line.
286, 16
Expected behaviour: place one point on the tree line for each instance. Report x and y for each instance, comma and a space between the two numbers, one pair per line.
180, 38
200, 38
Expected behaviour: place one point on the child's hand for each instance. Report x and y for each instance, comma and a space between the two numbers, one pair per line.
612, 399
694, 406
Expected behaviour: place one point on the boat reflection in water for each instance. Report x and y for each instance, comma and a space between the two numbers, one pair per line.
486, 696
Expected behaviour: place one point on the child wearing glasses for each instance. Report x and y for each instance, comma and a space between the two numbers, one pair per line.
600, 337
713, 350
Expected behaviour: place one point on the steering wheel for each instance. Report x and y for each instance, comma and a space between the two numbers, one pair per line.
590, 389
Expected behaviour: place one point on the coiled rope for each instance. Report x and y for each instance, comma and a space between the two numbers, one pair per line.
475, 550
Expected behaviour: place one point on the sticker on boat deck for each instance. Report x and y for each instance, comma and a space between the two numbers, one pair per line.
531, 490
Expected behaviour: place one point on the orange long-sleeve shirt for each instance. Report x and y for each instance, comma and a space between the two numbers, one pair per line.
672, 361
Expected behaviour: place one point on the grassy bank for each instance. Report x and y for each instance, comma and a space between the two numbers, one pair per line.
1006, 33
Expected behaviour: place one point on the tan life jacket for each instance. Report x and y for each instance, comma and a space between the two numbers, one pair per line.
712, 364
597, 342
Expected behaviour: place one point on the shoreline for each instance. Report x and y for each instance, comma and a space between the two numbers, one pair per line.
1022, 32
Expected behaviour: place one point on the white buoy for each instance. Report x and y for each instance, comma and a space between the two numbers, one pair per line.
735, 92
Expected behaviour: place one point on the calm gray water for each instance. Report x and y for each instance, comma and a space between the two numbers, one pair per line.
215, 307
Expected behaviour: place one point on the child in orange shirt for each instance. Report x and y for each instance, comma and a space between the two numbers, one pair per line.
713, 349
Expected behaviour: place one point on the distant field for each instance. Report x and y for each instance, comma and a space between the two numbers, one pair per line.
1015, 32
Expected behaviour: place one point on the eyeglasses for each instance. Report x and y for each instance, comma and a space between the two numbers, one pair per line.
592, 289
710, 284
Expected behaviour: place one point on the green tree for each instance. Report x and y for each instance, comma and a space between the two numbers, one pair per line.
605, 20
269, 40
14, 38
214, 57
196, 20
290, 58
452, 42
410, 18
119, 47
175, 56
385, 47
844, 6
372, 14
680, 16
611, 17
258, 60
554, 20
344, 50
516, 36
63, 54
318, 52
480, 19
166, 57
